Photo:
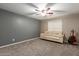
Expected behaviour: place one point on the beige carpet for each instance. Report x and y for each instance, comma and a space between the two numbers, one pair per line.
40, 47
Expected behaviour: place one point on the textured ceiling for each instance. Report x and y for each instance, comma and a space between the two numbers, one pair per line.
28, 9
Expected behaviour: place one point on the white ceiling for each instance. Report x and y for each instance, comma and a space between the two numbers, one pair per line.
27, 8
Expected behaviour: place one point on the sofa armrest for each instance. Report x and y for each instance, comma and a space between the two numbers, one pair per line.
42, 34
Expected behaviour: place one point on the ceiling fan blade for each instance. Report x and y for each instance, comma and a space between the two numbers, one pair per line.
32, 5
31, 13
49, 5
58, 11
35, 13
37, 10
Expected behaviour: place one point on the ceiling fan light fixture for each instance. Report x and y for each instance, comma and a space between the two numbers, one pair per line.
43, 14
48, 9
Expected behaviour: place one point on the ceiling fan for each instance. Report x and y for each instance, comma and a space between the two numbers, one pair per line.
47, 11
44, 12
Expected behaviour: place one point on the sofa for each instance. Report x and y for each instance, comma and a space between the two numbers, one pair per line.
56, 36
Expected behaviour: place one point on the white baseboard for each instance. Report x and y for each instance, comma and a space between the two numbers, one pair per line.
18, 42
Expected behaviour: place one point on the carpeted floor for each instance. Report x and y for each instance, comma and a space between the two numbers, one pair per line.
40, 47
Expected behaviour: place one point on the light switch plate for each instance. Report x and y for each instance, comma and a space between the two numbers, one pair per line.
13, 39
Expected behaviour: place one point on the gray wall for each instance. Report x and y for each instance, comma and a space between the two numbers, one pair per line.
71, 22
18, 27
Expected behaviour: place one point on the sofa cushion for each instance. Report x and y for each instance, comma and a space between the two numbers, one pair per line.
52, 33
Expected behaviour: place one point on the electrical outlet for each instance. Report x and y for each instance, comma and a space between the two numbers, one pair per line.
13, 39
